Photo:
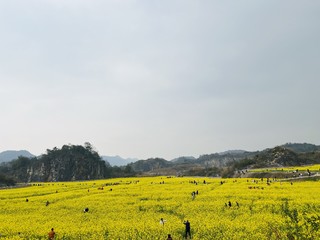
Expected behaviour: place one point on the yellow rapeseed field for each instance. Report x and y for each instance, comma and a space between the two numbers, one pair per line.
313, 168
131, 208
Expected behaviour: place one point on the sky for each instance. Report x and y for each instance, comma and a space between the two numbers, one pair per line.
145, 78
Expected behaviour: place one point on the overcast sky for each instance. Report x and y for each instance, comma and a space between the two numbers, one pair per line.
159, 78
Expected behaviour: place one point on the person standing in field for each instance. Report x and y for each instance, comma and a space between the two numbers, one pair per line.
162, 221
51, 234
188, 229
169, 237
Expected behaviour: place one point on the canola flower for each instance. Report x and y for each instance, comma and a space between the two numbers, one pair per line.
131, 208
301, 169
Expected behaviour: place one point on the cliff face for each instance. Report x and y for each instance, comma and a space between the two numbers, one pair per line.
65, 164
65, 170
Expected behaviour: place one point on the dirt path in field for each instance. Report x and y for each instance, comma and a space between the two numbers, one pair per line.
317, 175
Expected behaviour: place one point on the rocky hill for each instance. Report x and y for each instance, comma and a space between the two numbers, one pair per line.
71, 162
226, 164
65, 164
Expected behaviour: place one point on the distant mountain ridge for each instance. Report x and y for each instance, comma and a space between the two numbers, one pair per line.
301, 147
10, 155
232, 152
82, 163
118, 161
227, 163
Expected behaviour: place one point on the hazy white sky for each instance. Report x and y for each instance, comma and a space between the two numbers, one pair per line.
159, 78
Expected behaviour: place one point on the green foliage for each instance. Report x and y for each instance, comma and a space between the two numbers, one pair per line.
227, 172
211, 171
244, 163
301, 223
6, 181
